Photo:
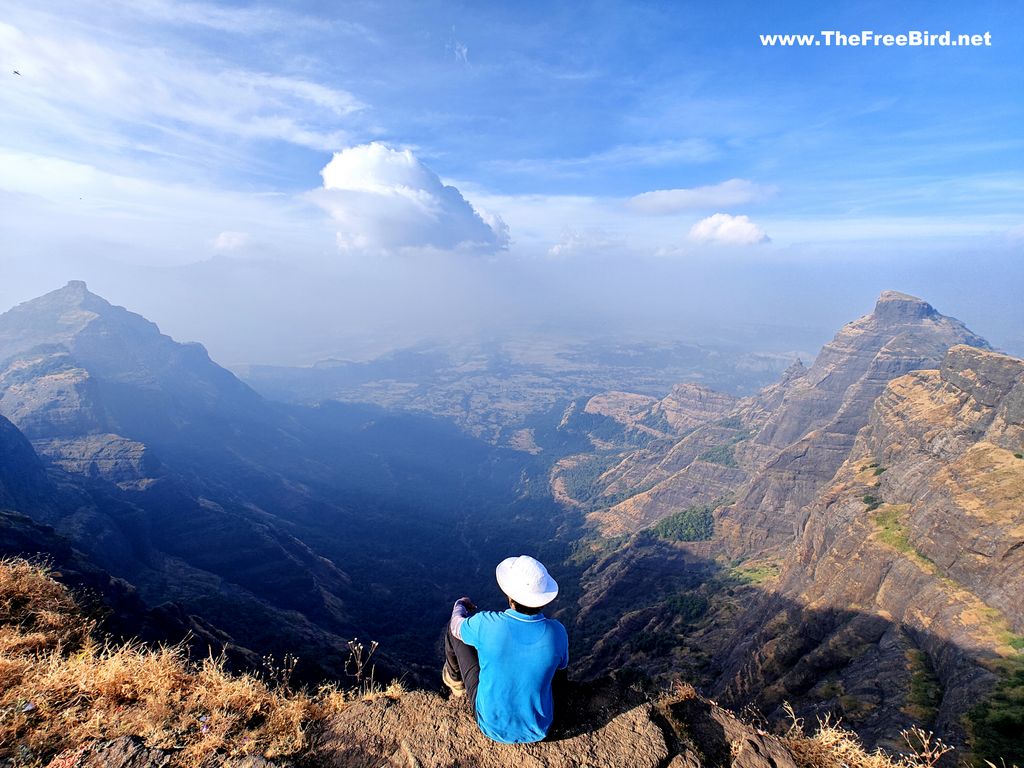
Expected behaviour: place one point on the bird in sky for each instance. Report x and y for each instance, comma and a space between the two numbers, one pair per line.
17, 73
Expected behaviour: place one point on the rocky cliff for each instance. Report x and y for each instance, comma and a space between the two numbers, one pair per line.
22, 475
770, 453
868, 564
814, 426
910, 561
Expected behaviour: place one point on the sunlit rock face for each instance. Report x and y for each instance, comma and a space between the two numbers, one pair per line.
815, 424
868, 563
909, 561
773, 451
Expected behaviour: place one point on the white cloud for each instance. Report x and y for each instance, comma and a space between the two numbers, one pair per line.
683, 151
386, 200
244, 20
85, 90
458, 49
230, 241
144, 221
576, 243
728, 230
727, 193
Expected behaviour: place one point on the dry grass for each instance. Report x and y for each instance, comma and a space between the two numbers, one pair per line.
832, 746
60, 688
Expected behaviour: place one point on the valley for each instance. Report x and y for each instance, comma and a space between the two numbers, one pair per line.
843, 534
504, 390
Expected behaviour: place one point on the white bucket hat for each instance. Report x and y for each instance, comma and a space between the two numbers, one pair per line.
526, 581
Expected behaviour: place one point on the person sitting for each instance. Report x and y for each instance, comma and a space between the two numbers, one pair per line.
505, 662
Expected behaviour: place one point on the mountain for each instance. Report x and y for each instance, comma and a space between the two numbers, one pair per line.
923, 524
815, 425
848, 539
845, 540
285, 527
757, 449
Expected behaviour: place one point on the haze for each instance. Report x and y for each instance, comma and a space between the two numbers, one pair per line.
288, 184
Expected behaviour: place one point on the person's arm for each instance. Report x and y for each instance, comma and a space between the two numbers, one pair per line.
461, 611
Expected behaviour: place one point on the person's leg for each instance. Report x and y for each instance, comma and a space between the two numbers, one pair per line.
560, 700
463, 664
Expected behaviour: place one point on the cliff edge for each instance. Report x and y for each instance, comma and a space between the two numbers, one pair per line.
68, 700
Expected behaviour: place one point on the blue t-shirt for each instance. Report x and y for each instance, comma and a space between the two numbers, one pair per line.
519, 655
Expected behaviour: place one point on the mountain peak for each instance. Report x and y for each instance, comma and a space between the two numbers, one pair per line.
796, 368
900, 307
76, 294
54, 318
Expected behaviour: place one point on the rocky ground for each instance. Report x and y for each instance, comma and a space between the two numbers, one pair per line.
423, 730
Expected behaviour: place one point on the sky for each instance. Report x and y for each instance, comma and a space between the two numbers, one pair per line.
288, 181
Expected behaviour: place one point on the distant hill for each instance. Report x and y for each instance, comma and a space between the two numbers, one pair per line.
505, 390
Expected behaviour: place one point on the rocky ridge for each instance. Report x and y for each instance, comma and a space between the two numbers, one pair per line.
771, 452
922, 529
814, 426
801, 594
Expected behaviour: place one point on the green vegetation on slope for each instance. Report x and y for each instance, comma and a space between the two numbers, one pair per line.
721, 454
997, 724
691, 524
730, 422
892, 530
889, 522
581, 480
755, 572
689, 606
925, 693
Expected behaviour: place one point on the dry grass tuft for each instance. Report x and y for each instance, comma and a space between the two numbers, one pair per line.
36, 612
831, 746
60, 688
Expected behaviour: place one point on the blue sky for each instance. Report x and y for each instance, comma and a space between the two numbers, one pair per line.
552, 136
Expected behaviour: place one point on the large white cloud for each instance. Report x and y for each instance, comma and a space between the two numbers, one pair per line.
727, 193
386, 200
728, 230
